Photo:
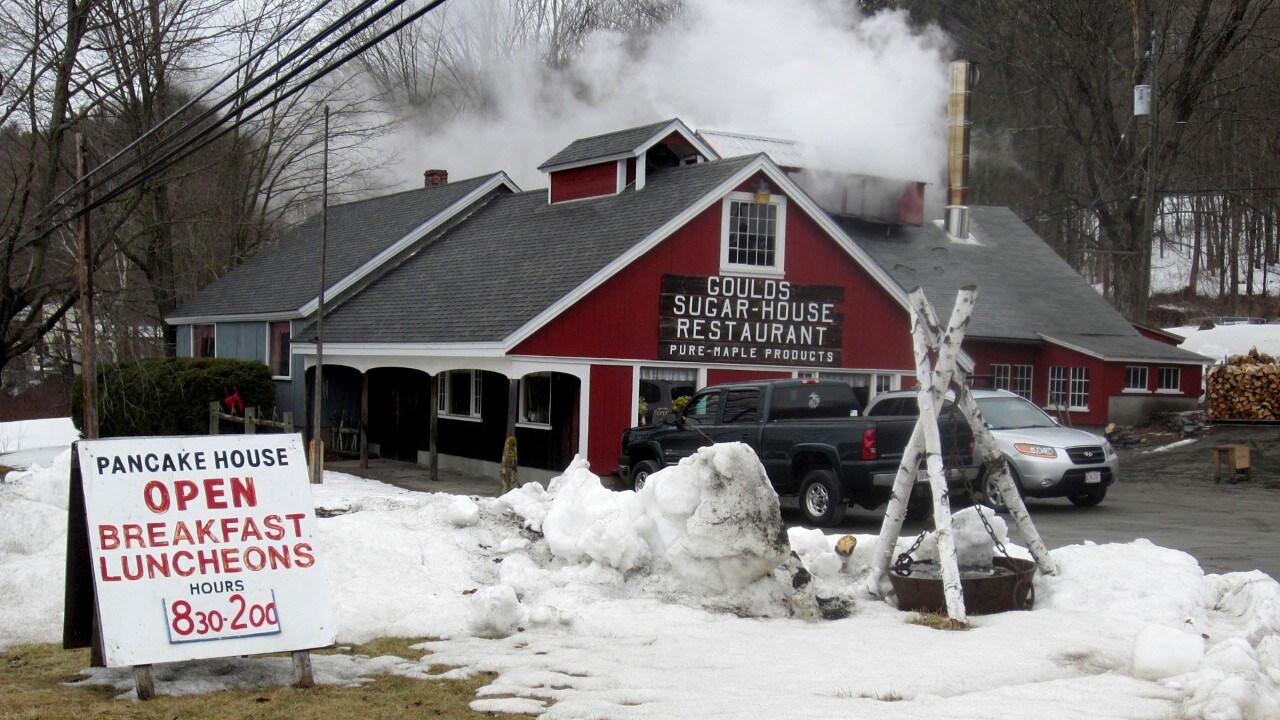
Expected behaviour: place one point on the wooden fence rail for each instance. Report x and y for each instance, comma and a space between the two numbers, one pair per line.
249, 420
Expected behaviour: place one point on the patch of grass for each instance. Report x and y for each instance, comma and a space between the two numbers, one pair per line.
33, 687
396, 647
937, 621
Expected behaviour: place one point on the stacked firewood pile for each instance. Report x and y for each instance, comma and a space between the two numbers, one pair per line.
1246, 387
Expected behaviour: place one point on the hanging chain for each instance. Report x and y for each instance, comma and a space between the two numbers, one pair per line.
968, 484
902, 565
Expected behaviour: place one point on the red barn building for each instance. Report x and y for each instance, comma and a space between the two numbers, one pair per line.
649, 262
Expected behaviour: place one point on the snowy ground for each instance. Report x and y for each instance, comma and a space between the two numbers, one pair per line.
1225, 340
684, 601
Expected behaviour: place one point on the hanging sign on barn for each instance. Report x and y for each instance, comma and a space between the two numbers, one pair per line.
750, 320
202, 547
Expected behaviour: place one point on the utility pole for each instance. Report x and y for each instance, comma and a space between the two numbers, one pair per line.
1151, 205
88, 334
317, 394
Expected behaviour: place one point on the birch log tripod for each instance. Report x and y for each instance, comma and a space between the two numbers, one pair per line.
929, 339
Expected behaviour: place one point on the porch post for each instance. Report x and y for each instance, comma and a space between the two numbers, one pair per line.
433, 455
364, 420
507, 477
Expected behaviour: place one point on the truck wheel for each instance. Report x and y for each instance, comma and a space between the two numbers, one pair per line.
641, 472
1088, 498
820, 501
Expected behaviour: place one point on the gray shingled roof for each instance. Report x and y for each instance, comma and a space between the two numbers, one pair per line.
513, 259
1025, 290
611, 144
284, 276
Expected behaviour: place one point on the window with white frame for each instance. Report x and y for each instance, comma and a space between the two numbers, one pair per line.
1078, 395
460, 393
1000, 377
1135, 378
1170, 379
1020, 380
278, 348
535, 399
754, 233
1057, 387
884, 383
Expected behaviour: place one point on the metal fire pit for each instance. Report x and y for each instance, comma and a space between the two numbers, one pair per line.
1004, 586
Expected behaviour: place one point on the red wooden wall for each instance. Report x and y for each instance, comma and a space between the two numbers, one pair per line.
584, 182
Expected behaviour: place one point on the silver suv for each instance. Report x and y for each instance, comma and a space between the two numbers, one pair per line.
1046, 459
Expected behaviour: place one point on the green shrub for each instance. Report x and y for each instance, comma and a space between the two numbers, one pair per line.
171, 395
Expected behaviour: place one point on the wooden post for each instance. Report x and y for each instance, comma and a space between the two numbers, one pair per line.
288, 420
214, 413
143, 682
507, 479
364, 419
251, 421
302, 669
433, 453
88, 331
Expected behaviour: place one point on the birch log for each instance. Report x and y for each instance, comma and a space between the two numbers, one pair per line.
927, 398
926, 322
997, 464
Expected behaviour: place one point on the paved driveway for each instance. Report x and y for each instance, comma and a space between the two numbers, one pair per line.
1171, 499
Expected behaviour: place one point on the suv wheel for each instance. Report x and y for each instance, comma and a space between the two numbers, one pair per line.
991, 494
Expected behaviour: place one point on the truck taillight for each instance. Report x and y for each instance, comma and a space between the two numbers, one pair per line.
869, 451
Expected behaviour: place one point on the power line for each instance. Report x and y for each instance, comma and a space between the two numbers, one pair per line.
239, 104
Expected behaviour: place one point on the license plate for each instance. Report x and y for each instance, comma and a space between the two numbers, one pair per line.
1093, 476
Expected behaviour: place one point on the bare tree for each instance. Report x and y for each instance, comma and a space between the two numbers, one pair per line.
1055, 134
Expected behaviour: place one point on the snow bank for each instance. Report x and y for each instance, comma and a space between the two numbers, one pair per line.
685, 599
713, 520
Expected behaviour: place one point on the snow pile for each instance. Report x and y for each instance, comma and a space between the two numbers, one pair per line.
33, 543
674, 602
975, 547
708, 530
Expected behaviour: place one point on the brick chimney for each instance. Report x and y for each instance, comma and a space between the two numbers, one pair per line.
434, 177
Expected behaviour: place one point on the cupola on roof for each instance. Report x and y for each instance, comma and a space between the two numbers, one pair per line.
631, 143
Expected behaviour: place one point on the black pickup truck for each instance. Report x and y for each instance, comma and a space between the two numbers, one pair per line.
810, 436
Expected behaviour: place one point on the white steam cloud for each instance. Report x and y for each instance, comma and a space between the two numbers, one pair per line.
862, 94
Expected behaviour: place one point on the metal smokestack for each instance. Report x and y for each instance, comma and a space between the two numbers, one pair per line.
964, 75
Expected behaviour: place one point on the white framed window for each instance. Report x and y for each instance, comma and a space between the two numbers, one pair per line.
885, 383
535, 400
1170, 380
1000, 377
1057, 387
1078, 395
753, 233
459, 394
1020, 380
278, 358
1135, 378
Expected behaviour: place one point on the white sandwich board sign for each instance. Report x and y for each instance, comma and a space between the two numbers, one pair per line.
203, 547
